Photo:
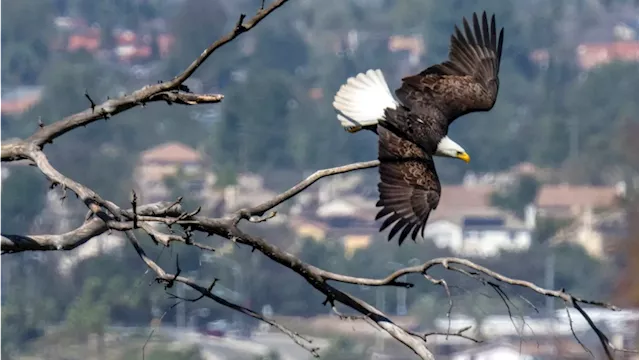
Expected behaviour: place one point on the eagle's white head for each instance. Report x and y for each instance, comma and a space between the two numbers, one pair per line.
449, 148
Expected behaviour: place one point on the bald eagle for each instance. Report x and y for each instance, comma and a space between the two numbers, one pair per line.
413, 129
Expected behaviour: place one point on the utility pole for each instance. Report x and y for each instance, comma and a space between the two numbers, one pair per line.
401, 292
575, 127
574, 146
401, 306
549, 275
181, 311
380, 304
181, 308
238, 279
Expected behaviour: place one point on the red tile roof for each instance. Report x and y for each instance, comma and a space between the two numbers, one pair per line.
460, 196
568, 195
171, 152
592, 55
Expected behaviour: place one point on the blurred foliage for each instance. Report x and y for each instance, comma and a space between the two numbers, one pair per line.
191, 353
518, 196
626, 289
344, 348
271, 355
26, 30
18, 214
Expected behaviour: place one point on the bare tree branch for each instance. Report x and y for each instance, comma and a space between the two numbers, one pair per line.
458, 333
240, 28
575, 336
301, 186
169, 279
174, 97
80, 235
447, 261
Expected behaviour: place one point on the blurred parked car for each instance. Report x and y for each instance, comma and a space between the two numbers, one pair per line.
216, 328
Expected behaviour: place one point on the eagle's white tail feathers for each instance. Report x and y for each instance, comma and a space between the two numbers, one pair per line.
361, 101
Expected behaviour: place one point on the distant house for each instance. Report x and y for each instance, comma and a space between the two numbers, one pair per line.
414, 45
166, 160
479, 232
20, 99
457, 197
570, 201
304, 228
173, 153
464, 221
540, 57
593, 55
596, 233
102, 244
316, 93
340, 210
467, 224
507, 177
88, 39
165, 44
350, 219
130, 53
130, 46
69, 23
349, 206
249, 190
353, 242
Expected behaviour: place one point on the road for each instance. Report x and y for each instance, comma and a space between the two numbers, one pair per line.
228, 348
259, 344
285, 346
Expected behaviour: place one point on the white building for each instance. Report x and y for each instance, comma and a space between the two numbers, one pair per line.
480, 232
492, 352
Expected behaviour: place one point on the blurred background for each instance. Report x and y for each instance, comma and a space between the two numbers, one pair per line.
550, 195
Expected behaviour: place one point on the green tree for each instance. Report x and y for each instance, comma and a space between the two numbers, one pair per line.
196, 24
115, 142
123, 13
34, 298
163, 352
344, 348
18, 213
252, 131
271, 355
26, 30
520, 194
88, 314
278, 48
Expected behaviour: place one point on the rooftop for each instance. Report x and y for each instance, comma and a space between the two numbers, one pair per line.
458, 216
171, 152
459, 196
565, 195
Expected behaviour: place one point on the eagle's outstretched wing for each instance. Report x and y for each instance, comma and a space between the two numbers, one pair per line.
409, 186
467, 81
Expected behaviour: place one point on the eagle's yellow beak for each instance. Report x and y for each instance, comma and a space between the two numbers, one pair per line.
464, 157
